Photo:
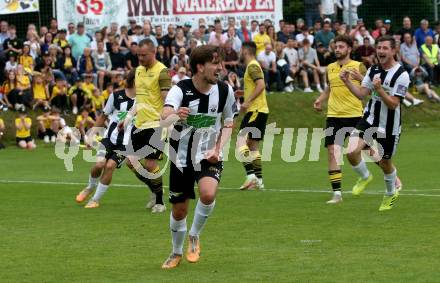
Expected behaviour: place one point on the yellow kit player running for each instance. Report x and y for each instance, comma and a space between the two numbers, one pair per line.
253, 126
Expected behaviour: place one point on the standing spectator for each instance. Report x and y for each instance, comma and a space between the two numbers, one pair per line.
131, 59
86, 65
103, 64
430, 54
47, 41
325, 35
254, 29
360, 33
169, 38
179, 76
243, 33
79, 41
187, 30
53, 27
388, 28
312, 11
267, 60
422, 32
406, 28
178, 42
367, 53
197, 36
347, 9
305, 35
328, 9
231, 58
12, 43
70, 30
409, 53
233, 39
137, 36
61, 39
124, 40
192, 46
23, 126
160, 38
261, 39
34, 44
3, 33
309, 62
162, 56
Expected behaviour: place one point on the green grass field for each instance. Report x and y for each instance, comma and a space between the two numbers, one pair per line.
284, 234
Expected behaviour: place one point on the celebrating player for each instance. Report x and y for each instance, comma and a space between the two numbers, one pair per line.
253, 126
197, 140
344, 109
388, 83
116, 108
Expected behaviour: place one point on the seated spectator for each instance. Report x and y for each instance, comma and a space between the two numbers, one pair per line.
12, 43
419, 76
22, 94
162, 56
98, 103
117, 58
284, 34
234, 81
367, 53
44, 67
59, 96
180, 60
292, 57
233, 39
8, 85
47, 41
243, 33
261, 39
4, 103
33, 42
282, 65
23, 126
231, 60
108, 90
181, 75
305, 35
78, 96
267, 60
61, 40
131, 59
325, 57
40, 92
86, 65
67, 64
12, 63
310, 64
355, 53
325, 35
178, 42
422, 32
103, 64
88, 86
84, 122
124, 41
360, 33
217, 37
409, 53
430, 55
192, 46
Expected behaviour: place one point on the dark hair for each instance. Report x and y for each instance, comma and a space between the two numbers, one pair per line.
388, 38
129, 79
146, 41
344, 38
203, 54
251, 46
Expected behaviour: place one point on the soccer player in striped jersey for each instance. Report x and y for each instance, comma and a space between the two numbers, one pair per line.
201, 103
253, 126
387, 83
115, 139
344, 109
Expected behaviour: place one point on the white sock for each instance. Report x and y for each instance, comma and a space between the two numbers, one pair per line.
92, 182
201, 214
178, 233
362, 170
337, 193
100, 191
390, 182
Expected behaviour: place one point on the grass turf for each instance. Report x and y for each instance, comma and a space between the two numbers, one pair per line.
284, 234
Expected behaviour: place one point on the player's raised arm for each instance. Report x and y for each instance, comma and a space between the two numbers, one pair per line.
359, 92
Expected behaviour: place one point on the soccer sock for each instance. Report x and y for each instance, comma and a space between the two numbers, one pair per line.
244, 154
201, 214
155, 185
362, 170
92, 182
100, 191
390, 182
178, 233
335, 177
258, 169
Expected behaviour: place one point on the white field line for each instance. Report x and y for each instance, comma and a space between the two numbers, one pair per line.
404, 192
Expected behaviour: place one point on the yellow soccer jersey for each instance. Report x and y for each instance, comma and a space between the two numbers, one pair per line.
252, 74
88, 89
23, 132
261, 40
149, 103
105, 94
342, 103
98, 102
56, 91
27, 61
39, 91
80, 118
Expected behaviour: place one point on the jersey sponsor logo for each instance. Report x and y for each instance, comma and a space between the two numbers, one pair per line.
189, 93
120, 97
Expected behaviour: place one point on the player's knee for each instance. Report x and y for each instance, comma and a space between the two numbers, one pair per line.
110, 166
207, 197
179, 212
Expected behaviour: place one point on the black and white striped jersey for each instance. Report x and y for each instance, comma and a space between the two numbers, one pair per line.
395, 82
192, 138
116, 109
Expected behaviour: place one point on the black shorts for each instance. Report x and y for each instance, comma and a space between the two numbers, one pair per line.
147, 143
388, 142
255, 120
26, 139
182, 182
344, 126
108, 151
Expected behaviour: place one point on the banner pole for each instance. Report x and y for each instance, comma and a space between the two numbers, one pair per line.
54, 9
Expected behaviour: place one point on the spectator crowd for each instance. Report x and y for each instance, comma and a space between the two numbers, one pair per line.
59, 72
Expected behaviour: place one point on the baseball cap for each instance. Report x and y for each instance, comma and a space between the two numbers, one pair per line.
327, 20
188, 24
387, 21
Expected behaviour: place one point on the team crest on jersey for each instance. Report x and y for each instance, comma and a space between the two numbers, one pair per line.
213, 108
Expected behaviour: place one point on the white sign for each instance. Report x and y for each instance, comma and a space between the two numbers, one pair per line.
99, 13
18, 6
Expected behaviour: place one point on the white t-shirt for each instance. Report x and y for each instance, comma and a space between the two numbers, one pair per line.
328, 7
300, 37
175, 79
267, 59
292, 56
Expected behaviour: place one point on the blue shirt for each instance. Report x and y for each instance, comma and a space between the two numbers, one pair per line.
421, 35
78, 43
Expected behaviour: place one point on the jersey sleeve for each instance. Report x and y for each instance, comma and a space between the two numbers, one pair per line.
164, 79
255, 72
362, 69
174, 98
109, 106
366, 82
401, 86
230, 110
